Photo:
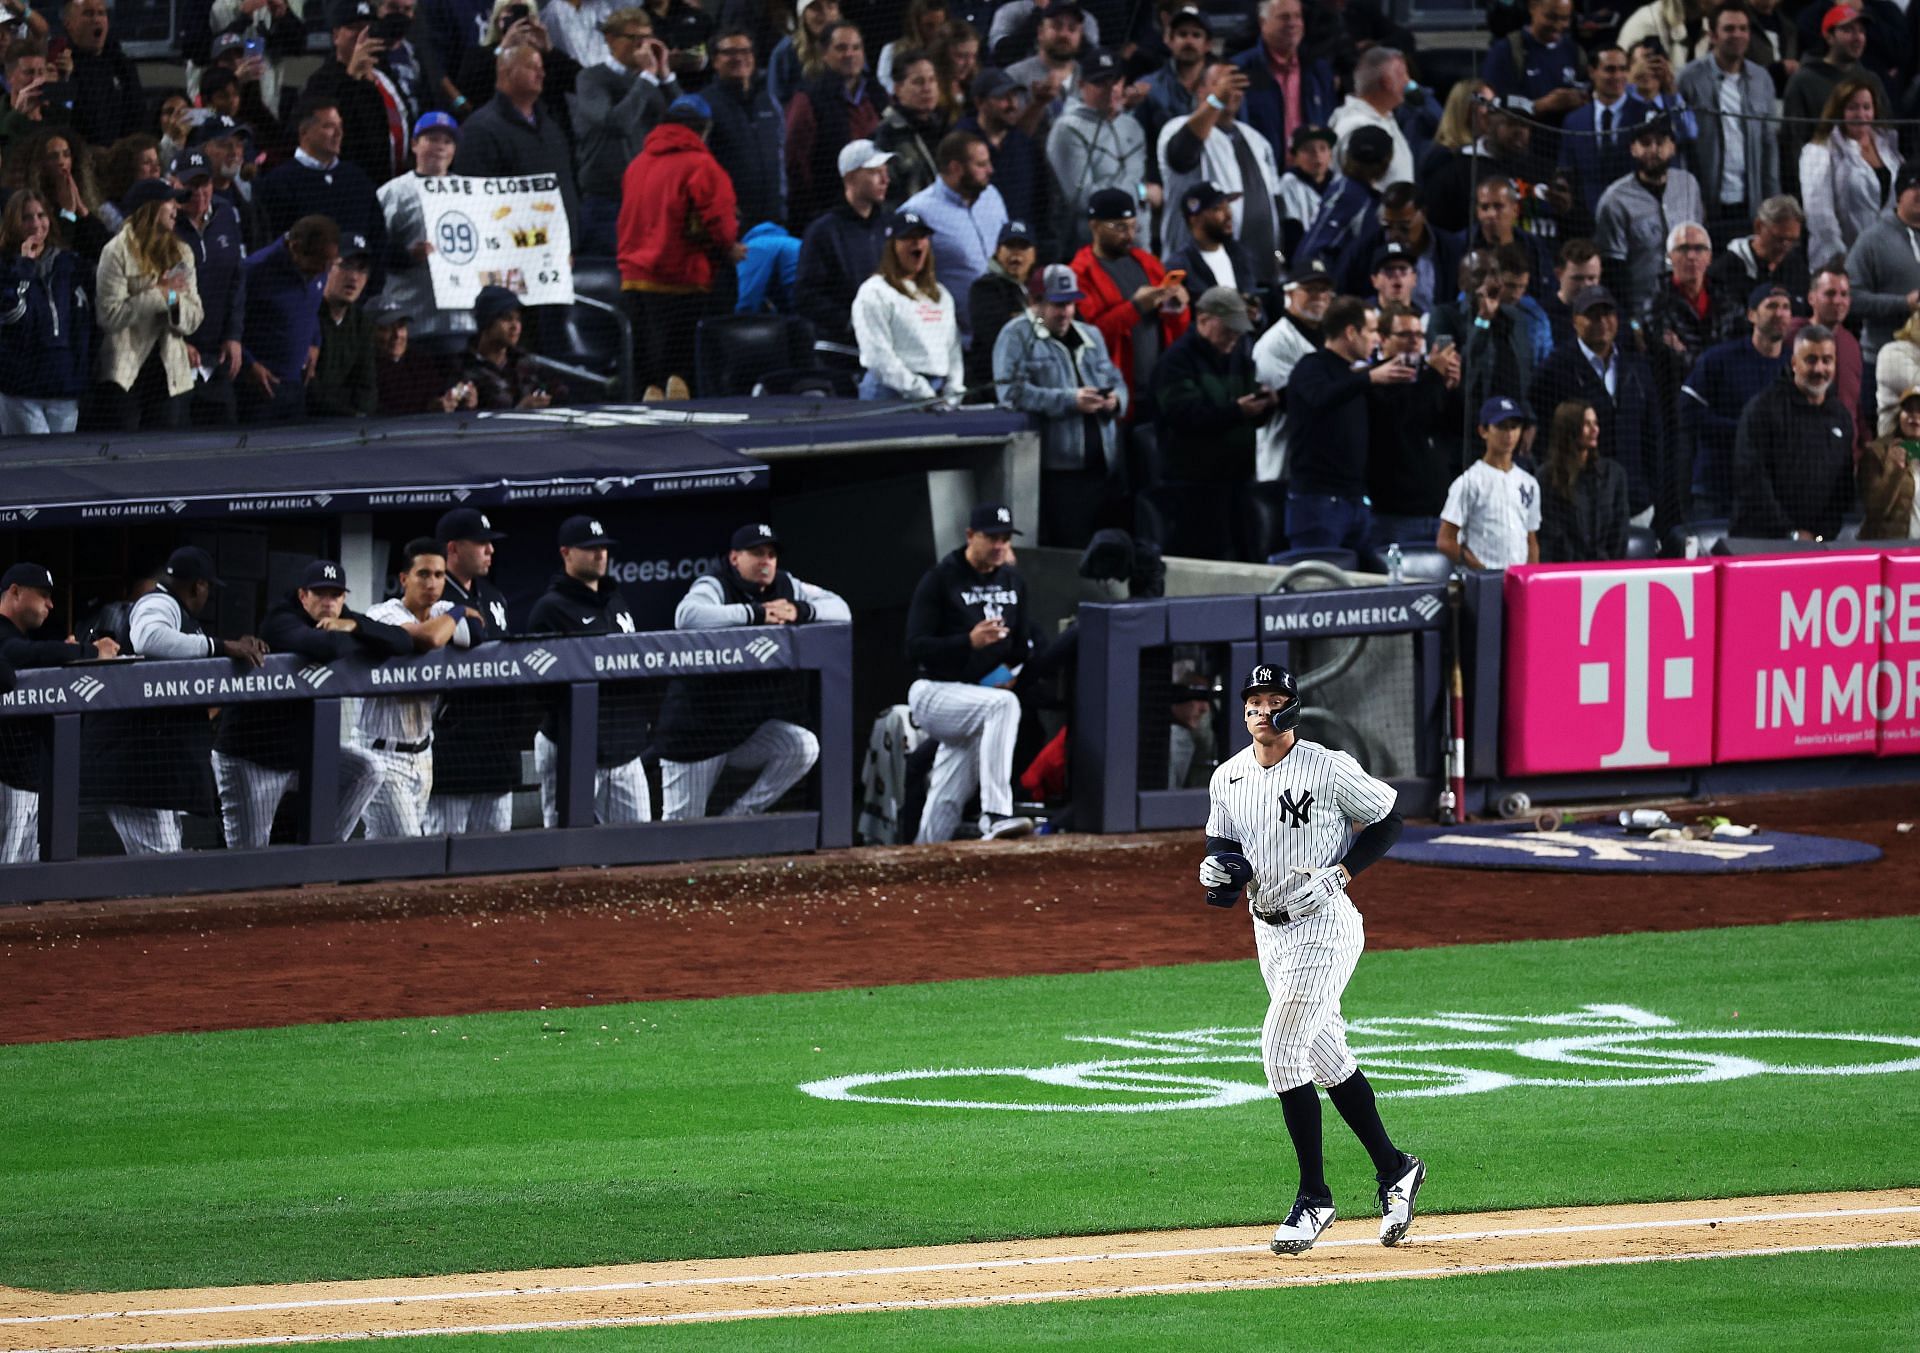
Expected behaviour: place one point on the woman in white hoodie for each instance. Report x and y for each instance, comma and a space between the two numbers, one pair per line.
904, 321
1847, 170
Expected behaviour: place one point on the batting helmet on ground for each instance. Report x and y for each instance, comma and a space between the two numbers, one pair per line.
1266, 677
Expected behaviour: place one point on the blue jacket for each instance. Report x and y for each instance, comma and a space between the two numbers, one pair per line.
1722, 383
766, 275
46, 325
1343, 218
217, 254
1263, 109
838, 253
283, 311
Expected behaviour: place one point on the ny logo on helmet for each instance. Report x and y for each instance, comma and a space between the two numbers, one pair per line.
1262, 676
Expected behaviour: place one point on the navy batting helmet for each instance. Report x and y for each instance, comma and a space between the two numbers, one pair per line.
1278, 680
1240, 869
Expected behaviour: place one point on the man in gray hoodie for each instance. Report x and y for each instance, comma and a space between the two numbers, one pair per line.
1884, 266
1095, 144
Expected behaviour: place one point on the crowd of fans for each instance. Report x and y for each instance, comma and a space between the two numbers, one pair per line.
1681, 243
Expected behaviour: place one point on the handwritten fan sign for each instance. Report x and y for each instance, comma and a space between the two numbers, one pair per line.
507, 232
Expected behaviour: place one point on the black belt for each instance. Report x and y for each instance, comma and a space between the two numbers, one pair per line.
389, 745
1274, 917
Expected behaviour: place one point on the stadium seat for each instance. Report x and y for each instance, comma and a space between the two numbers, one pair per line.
735, 354
1642, 543
1260, 520
1344, 559
595, 338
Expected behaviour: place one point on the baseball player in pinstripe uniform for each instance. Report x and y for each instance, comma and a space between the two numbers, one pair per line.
1282, 826
967, 634
398, 729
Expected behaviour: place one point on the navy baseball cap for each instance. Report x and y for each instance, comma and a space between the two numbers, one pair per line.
1057, 283
1110, 204
1099, 68
1312, 132
584, 533
1204, 196
906, 223
323, 575
1592, 298
991, 83
354, 245
191, 564
348, 13
388, 311
1015, 232
492, 303
1189, 17
752, 534
993, 519
1503, 409
191, 164
27, 575
466, 523
226, 42
1313, 273
150, 190
215, 128
1371, 145
1391, 252
1766, 291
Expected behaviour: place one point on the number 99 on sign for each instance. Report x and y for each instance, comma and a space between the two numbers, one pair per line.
458, 241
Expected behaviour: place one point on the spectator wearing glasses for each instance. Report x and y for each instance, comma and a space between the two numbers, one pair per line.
747, 129
617, 101
1685, 316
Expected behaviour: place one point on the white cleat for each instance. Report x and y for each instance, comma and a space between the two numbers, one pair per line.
1003, 828
1396, 1200
1310, 1216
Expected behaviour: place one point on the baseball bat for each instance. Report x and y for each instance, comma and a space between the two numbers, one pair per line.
1453, 801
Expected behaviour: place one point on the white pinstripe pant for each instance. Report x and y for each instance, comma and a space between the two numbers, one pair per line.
250, 795
19, 825
1306, 965
783, 752
975, 727
458, 814
146, 831
398, 807
620, 793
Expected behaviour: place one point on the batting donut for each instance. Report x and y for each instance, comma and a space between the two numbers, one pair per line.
1226, 876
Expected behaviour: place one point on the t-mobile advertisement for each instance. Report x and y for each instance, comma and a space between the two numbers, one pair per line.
1638, 666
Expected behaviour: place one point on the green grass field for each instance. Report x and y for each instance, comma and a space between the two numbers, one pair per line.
1852, 1302
676, 1130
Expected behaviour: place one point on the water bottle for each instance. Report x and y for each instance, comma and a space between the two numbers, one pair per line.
1395, 565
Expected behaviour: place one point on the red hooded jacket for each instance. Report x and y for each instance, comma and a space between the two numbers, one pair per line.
1115, 315
677, 212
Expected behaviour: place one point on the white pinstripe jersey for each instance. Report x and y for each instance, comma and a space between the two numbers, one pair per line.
1297, 812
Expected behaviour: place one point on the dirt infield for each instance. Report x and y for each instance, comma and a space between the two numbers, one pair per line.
851, 918
1060, 1269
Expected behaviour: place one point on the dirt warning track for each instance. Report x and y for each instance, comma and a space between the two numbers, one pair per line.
994, 1273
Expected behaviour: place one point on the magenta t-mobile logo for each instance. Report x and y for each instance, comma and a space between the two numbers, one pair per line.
1645, 673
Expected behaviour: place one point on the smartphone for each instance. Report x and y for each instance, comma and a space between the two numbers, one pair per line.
253, 46
58, 94
512, 15
390, 28
57, 48
1441, 342
1175, 275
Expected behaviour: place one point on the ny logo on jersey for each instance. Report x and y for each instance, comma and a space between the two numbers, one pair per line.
499, 614
1292, 812
1526, 496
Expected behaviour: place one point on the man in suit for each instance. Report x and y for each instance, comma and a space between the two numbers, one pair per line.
1619, 385
1594, 146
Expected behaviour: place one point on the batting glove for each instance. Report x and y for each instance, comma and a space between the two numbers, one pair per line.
1213, 874
1312, 889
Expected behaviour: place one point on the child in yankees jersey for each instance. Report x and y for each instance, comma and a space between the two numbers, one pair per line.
1282, 825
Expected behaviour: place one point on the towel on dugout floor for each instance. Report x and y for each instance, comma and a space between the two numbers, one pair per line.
883, 777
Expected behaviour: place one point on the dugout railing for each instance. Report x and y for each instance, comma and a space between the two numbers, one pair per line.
1370, 659
42, 719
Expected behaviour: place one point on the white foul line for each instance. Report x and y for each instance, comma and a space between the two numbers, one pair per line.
956, 1266
997, 1299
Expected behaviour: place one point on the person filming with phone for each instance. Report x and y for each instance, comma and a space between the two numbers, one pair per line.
1049, 363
